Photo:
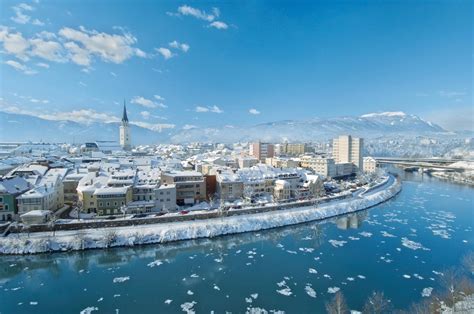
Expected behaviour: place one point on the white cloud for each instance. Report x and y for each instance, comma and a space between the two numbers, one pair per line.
165, 52
181, 46
47, 49
187, 10
145, 114
83, 116
84, 44
14, 43
451, 94
254, 111
189, 127
21, 17
20, 67
213, 109
219, 25
142, 101
158, 97
156, 127
43, 65
113, 74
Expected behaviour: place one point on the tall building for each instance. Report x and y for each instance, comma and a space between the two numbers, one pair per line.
294, 149
348, 149
125, 140
262, 151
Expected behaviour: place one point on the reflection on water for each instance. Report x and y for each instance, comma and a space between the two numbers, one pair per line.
399, 247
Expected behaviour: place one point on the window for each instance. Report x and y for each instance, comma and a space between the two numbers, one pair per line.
1, 199
6, 206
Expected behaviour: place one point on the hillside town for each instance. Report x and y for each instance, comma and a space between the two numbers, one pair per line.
104, 179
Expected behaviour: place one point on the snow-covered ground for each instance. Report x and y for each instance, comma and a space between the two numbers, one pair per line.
166, 232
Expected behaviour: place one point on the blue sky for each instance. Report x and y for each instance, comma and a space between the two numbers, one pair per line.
196, 63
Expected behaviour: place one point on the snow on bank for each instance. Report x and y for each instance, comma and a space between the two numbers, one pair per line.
207, 228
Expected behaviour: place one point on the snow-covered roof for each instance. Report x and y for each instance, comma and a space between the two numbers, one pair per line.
36, 213
13, 185
111, 190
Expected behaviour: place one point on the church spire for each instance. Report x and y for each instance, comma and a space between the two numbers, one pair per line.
124, 117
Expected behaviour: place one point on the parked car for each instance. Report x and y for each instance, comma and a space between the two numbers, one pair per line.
184, 212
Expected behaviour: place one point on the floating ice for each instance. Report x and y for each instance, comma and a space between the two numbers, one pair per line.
306, 249
333, 289
310, 291
365, 234
248, 300
89, 310
188, 307
190, 292
168, 301
337, 243
33, 303
120, 279
217, 288
100, 300
254, 296
361, 277
387, 235
312, 271
155, 263
194, 276
413, 245
285, 291
426, 292
350, 278
327, 276
406, 276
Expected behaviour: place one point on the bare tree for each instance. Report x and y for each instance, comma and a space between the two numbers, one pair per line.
337, 305
468, 262
52, 223
450, 282
110, 237
423, 307
377, 303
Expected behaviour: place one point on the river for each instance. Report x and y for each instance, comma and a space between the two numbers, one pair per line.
398, 247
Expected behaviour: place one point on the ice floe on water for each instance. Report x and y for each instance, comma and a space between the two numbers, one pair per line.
387, 235
155, 263
89, 310
413, 245
189, 292
286, 290
216, 287
333, 289
353, 238
312, 271
194, 276
254, 296
121, 279
327, 276
365, 234
361, 276
33, 303
337, 243
310, 291
168, 301
188, 307
426, 292
306, 249
406, 276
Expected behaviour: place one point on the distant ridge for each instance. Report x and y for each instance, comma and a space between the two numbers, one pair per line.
16, 127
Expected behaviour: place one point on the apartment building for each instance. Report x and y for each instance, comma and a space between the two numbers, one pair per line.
190, 186
261, 151
349, 149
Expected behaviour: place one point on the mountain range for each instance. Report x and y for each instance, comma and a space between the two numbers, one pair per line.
16, 127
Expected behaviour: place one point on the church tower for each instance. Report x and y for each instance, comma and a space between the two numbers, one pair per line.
125, 141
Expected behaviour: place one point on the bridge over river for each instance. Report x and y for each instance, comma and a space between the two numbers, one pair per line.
429, 164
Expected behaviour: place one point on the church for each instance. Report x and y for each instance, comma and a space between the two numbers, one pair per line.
125, 141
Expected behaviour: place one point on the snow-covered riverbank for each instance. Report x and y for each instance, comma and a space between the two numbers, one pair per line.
166, 232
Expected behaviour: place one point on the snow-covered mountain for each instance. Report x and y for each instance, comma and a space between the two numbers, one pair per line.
368, 125
15, 127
